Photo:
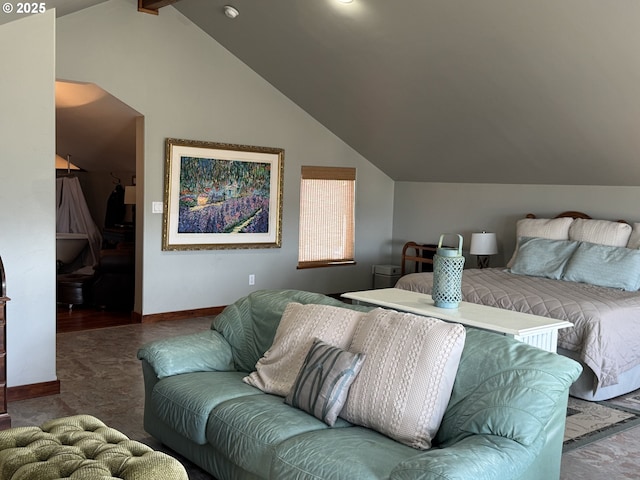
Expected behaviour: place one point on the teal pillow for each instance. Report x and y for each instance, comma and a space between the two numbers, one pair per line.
323, 382
542, 257
605, 266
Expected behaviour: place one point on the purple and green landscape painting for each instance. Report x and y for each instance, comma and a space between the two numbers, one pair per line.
223, 196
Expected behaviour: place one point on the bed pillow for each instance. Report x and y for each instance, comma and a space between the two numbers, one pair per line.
602, 232
552, 228
605, 266
323, 382
634, 238
541, 257
405, 384
300, 325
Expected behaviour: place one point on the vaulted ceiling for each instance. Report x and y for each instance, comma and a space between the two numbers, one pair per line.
491, 91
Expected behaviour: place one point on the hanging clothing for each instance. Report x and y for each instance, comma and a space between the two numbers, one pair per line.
115, 208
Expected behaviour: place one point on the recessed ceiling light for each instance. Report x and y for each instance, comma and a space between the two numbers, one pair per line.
345, 1
230, 11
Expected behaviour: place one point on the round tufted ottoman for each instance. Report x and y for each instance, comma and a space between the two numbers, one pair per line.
81, 448
73, 288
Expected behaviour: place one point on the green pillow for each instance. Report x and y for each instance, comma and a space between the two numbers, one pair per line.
605, 266
323, 382
542, 257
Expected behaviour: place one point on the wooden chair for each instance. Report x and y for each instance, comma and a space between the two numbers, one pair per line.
422, 256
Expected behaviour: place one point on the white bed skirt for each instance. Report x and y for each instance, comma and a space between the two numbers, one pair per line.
583, 387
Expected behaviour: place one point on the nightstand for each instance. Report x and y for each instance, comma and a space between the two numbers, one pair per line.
385, 276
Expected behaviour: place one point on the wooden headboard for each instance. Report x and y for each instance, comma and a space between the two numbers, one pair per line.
568, 213
572, 214
422, 255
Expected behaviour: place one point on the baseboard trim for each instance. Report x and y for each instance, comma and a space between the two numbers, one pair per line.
34, 390
179, 315
44, 389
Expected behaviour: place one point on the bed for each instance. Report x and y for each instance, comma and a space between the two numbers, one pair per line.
571, 268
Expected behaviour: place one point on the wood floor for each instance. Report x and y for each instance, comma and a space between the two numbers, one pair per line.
87, 318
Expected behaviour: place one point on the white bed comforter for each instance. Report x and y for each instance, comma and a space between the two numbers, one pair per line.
606, 321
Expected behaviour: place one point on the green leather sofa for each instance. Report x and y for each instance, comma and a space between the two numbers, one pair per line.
505, 419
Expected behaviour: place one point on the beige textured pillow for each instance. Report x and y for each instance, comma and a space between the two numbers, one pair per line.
634, 238
405, 384
602, 232
276, 371
323, 382
551, 228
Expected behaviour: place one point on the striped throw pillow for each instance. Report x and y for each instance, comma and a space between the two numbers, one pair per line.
323, 382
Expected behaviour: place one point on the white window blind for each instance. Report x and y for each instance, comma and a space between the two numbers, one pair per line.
327, 205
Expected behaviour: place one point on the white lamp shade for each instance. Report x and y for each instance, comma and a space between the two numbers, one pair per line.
483, 244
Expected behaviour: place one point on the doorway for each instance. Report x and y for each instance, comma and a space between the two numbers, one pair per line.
103, 137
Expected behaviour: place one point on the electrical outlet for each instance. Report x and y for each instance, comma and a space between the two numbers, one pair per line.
252, 279
156, 207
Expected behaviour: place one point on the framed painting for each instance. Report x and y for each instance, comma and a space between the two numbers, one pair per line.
221, 196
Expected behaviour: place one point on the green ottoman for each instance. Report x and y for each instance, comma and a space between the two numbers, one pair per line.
81, 448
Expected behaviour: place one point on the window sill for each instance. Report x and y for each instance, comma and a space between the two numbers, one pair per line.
336, 263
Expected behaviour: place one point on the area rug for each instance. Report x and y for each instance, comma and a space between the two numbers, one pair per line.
589, 422
630, 401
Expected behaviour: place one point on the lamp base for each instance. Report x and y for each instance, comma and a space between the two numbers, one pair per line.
483, 261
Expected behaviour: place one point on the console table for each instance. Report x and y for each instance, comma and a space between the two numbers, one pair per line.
5, 419
541, 332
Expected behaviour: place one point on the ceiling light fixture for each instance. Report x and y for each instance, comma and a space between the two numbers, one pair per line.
345, 1
230, 11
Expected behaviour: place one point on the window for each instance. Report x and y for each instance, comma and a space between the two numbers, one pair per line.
327, 205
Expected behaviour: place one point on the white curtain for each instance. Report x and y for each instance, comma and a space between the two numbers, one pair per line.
73, 216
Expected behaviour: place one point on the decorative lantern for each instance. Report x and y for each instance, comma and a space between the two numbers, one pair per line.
448, 263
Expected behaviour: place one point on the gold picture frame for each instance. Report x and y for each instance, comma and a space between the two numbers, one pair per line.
221, 196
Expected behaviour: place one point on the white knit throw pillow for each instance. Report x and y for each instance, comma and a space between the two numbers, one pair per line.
405, 384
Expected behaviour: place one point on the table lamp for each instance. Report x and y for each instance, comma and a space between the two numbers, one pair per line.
483, 245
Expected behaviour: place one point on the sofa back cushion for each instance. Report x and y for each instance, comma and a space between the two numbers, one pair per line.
250, 324
505, 388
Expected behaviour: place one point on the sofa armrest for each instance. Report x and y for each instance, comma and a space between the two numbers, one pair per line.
199, 352
481, 457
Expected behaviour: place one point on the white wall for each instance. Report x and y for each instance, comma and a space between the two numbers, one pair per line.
188, 86
423, 211
27, 196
